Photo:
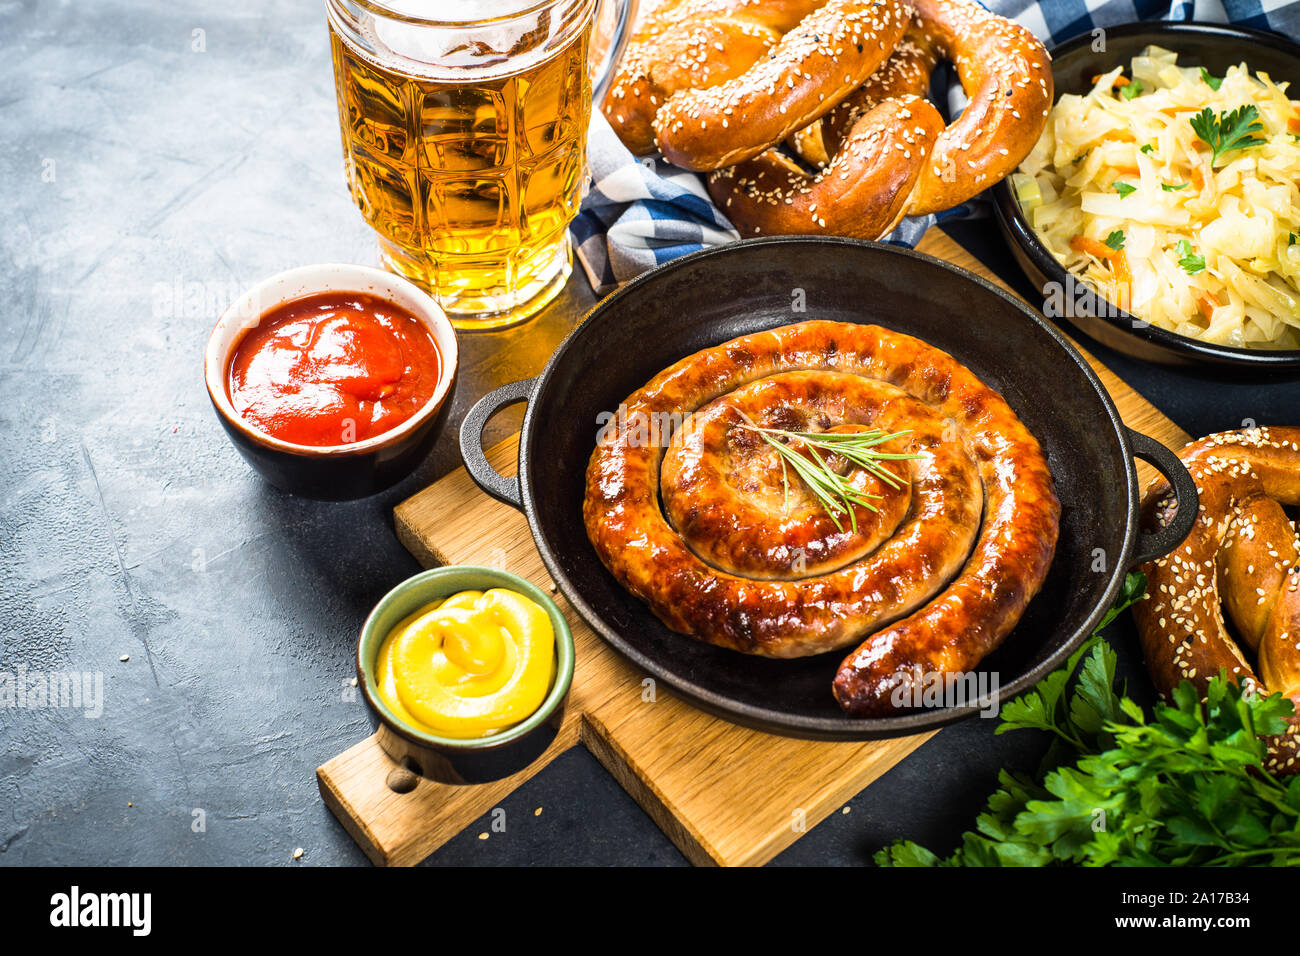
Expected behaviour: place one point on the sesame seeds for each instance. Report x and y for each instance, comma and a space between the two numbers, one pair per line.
1235, 473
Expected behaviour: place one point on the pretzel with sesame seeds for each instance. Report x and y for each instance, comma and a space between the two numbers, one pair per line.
873, 150
905, 73
1241, 559
715, 82
862, 194
1006, 74
885, 153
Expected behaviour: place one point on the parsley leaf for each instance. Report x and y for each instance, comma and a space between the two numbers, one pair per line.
1187, 258
1228, 131
1131, 90
1116, 240
1183, 787
1170, 188
1213, 82
1123, 188
1149, 148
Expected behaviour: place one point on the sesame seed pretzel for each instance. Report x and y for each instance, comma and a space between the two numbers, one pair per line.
716, 82
885, 153
872, 148
1242, 557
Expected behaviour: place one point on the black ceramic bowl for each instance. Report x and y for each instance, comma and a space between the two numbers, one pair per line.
339, 471
1074, 64
713, 296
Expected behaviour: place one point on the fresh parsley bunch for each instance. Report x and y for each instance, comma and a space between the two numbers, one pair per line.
1186, 787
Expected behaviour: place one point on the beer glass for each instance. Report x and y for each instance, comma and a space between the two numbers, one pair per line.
464, 136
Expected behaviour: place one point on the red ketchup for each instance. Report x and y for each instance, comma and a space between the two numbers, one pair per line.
332, 369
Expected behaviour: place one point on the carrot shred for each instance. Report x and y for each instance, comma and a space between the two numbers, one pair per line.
1115, 260
1119, 266
1207, 304
1093, 247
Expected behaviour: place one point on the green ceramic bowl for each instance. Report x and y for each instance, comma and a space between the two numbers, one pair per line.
456, 760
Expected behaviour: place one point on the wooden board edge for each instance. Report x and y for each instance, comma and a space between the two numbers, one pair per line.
338, 805
413, 543
893, 752
432, 832
605, 748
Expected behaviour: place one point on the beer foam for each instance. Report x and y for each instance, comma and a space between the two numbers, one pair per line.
458, 11
515, 41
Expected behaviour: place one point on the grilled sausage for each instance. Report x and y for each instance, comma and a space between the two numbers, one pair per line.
935, 595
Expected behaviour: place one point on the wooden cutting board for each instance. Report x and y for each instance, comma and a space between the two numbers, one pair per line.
723, 794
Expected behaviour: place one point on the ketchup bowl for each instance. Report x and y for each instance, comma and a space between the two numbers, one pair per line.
332, 380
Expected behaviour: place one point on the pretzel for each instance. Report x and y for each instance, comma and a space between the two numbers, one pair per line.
880, 147
905, 73
1005, 72
1243, 558
716, 82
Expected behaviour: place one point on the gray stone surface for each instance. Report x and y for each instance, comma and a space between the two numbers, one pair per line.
158, 157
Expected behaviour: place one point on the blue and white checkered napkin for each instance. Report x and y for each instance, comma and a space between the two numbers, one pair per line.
640, 213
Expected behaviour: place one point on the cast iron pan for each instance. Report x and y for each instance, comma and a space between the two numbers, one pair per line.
713, 296
1074, 63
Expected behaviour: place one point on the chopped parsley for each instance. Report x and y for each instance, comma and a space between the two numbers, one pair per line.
1228, 131
1188, 259
1123, 188
1213, 82
1116, 240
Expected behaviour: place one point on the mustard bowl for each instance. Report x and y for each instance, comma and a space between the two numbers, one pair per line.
453, 760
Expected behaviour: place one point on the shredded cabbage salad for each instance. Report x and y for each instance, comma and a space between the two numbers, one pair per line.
1173, 193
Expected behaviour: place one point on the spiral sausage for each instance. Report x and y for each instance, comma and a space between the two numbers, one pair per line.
1243, 557
708, 534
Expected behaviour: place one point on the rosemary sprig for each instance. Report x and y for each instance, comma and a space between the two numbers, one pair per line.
833, 490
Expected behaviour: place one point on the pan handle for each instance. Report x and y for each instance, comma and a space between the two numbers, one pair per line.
471, 441
1159, 543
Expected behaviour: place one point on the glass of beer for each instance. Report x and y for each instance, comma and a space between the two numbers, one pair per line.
464, 137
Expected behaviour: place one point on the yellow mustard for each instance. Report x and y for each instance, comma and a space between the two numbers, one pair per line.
471, 665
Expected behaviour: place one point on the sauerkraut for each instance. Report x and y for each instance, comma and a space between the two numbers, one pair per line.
1127, 190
